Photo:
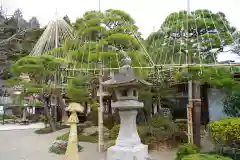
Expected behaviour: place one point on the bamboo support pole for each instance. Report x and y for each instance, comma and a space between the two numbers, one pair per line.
166, 66
190, 123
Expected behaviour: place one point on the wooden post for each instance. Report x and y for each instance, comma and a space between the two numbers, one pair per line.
189, 112
190, 123
197, 113
72, 147
100, 110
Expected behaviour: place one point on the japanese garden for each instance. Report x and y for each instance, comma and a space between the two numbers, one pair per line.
95, 88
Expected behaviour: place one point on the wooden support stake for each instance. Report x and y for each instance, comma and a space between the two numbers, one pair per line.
190, 123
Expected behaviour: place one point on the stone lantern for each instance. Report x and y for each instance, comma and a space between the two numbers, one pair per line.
72, 147
128, 144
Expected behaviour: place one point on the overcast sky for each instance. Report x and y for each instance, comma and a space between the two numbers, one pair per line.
148, 14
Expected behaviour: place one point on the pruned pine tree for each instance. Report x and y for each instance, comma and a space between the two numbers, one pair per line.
40, 71
103, 36
186, 38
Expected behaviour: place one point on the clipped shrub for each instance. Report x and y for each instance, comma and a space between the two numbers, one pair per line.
226, 130
161, 122
44, 130
235, 155
205, 157
93, 116
60, 147
166, 132
82, 138
181, 124
63, 137
42, 118
186, 149
143, 132
114, 131
180, 137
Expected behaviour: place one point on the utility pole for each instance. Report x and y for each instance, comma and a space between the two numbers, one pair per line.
56, 74
190, 87
100, 108
194, 105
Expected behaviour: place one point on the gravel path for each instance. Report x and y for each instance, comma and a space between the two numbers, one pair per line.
26, 145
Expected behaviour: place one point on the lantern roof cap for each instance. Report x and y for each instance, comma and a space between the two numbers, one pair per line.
125, 77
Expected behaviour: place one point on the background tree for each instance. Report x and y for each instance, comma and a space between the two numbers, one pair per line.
14, 43
236, 44
17, 14
34, 23
21, 22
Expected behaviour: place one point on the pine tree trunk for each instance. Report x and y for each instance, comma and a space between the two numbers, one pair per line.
197, 113
62, 106
49, 117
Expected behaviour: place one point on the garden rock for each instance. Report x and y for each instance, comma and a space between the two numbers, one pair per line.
94, 129
60, 147
88, 123
85, 124
58, 143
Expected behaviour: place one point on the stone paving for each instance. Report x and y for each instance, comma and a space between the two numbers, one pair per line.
26, 145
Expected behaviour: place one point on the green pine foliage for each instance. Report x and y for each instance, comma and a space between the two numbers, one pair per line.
198, 33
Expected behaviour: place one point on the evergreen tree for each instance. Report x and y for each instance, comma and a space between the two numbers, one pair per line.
236, 43
201, 34
40, 71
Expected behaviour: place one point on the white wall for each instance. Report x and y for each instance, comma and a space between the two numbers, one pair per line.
215, 104
1, 110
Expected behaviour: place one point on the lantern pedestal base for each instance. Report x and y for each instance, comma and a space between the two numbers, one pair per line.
138, 152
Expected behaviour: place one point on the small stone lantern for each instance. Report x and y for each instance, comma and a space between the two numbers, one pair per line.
72, 147
128, 144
